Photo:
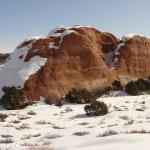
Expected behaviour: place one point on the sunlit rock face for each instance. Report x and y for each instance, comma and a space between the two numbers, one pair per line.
134, 60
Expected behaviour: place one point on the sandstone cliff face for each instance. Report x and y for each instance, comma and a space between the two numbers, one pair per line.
76, 61
134, 59
83, 57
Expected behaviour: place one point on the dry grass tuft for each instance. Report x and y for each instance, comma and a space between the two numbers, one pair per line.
42, 122
3, 117
31, 112
124, 117
6, 141
6, 136
47, 147
23, 126
53, 136
84, 123
81, 133
23, 117
107, 133
15, 121
57, 127
142, 131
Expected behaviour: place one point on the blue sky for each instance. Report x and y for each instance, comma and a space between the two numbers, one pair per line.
23, 18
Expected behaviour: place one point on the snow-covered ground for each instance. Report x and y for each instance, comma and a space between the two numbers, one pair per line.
68, 127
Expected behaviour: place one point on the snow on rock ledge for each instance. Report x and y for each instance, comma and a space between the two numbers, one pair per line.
129, 36
16, 71
57, 28
63, 27
61, 32
119, 45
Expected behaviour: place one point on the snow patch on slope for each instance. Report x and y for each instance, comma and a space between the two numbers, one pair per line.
51, 46
16, 71
108, 57
116, 54
111, 58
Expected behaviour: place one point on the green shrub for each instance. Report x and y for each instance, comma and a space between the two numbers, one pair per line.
80, 96
116, 85
13, 98
3, 117
141, 84
147, 84
96, 108
131, 88
134, 87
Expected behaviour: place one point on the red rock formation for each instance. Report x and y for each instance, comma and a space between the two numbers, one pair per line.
78, 58
134, 60
76, 63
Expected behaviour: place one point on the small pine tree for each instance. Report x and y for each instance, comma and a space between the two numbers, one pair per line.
131, 88
141, 84
96, 108
13, 98
148, 84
